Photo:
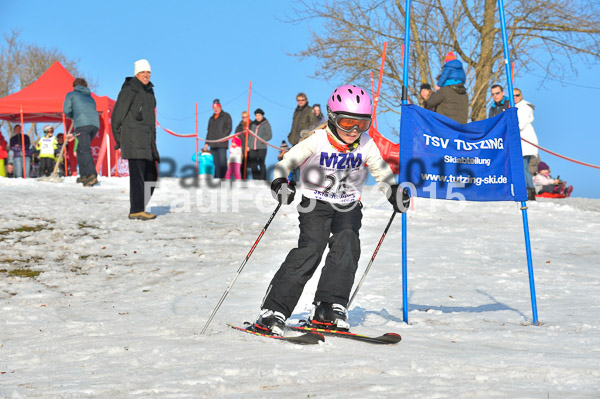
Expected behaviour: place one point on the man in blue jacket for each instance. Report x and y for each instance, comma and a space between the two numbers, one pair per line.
81, 107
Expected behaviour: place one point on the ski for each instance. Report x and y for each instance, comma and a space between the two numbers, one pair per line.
308, 338
388, 338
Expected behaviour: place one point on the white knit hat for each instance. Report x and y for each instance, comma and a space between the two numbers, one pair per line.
141, 66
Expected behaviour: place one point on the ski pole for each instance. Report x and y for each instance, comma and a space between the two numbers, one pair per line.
372, 259
240, 269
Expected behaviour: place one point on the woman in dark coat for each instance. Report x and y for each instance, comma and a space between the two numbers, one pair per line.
134, 129
258, 150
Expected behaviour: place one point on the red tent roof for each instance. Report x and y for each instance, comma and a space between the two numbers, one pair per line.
42, 101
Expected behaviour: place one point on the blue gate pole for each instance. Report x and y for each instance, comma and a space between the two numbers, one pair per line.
523, 203
404, 220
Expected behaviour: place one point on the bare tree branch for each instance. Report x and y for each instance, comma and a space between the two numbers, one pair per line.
538, 32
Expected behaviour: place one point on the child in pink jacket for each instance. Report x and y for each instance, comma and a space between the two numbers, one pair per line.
544, 183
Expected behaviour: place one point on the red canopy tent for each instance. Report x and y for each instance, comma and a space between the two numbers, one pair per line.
42, 101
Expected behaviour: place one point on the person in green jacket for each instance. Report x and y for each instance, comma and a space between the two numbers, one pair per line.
81, 107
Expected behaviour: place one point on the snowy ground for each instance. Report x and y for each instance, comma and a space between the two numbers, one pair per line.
118, 306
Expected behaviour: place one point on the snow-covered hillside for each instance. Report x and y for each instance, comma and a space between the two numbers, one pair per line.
118, 305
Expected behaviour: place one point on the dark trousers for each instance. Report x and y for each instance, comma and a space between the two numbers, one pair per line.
256, 161
85, 160
318, 228
141, 171
46, 166
220, 160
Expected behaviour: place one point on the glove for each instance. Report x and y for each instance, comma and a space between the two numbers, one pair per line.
399, 198
283, 191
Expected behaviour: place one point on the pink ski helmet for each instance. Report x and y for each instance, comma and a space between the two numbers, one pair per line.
350, 99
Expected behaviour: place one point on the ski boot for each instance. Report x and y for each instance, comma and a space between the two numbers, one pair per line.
269, 322
330, 316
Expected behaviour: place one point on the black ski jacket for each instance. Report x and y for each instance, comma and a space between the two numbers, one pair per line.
133, 121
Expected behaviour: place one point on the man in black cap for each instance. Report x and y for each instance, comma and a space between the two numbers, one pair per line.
219, 127
258, 149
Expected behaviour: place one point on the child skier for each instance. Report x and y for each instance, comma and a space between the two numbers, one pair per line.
47, 147
333, 164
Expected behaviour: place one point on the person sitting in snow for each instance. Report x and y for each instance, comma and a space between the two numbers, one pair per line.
544, 183
333, 165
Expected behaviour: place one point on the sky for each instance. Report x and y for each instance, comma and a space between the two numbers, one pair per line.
200, 51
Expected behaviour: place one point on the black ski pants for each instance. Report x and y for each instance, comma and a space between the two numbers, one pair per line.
256, 161
141, 171
46, 166
334, 225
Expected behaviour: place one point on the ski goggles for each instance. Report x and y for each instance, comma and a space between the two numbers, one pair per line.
348, 123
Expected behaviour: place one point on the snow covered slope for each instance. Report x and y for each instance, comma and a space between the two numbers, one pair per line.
118, 305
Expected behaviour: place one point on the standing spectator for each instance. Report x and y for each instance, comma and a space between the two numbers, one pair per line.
35, 162
219, 127
501, 102
451, 101
525, 115
233, 163
81, 107
10, 170
258, 150
15, 145
47, 147
302, 120
451, 98
134, 130
533, 164
425, 92
319, 117
3, 155
242, 128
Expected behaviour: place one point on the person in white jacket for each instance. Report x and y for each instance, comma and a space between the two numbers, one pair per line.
525, 115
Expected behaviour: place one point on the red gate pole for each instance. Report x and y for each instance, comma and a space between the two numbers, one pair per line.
247, 129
